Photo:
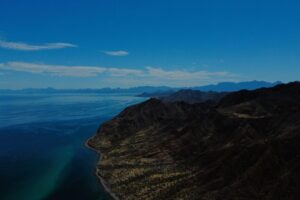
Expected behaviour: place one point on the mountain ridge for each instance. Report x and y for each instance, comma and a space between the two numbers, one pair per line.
220, 87
193, 96
247, 146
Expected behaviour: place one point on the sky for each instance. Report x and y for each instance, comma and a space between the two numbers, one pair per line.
125, 43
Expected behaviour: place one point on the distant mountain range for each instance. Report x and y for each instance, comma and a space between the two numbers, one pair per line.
231, 86
245, 146
147, 91
135, 90
220, 87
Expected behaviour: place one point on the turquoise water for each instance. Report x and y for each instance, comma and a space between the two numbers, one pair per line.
42, 152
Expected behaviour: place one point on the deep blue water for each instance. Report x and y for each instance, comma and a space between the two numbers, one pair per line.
42, 152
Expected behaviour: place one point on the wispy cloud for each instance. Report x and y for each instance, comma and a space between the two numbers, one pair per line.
58, 70
117, 53
124, 76
30, 47
61, 70
186, 75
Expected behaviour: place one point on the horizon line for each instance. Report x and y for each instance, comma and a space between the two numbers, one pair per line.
140, 86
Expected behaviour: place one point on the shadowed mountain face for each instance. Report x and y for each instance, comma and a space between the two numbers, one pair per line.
193, 96
246, 147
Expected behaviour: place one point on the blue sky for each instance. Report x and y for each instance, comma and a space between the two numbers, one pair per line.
124, 43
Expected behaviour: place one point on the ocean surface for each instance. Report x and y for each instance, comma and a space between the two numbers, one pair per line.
42, 152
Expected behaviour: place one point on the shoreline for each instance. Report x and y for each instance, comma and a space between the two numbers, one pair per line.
100, 178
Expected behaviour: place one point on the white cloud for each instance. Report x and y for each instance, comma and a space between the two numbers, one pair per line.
117, 53
124, 72
125, 76
185, 75
61, 70
29, 47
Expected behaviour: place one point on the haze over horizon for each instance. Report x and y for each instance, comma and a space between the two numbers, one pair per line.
255, 84
97, 44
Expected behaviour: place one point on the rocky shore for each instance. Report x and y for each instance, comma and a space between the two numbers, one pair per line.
102, 181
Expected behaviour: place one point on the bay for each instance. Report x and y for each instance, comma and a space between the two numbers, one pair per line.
42, 152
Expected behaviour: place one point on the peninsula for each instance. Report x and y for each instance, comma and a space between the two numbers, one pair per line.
245, 145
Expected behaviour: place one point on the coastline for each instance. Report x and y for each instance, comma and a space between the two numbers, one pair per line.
100, 178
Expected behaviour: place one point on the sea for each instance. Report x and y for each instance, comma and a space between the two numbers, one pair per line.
42, 137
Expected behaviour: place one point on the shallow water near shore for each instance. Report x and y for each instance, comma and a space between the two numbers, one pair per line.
42, 152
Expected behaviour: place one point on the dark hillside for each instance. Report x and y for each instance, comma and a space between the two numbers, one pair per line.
245, 147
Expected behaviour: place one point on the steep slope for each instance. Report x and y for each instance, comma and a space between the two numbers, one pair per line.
247, 147
193, 96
